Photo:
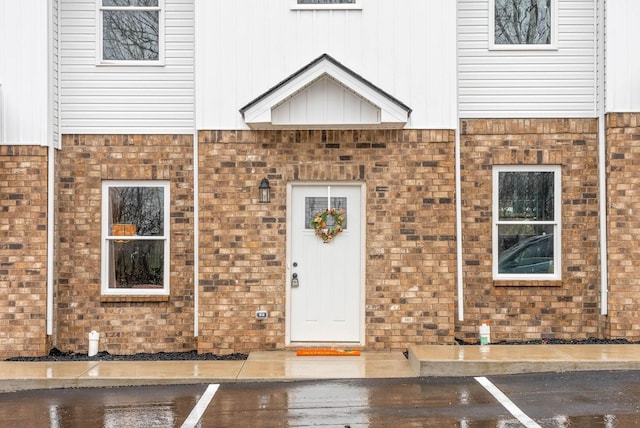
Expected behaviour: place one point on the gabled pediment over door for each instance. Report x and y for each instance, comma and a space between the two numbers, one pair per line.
325, 94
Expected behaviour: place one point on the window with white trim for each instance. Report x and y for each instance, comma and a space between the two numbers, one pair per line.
135, 230
526, 227
131, 31
523, 24
326, 4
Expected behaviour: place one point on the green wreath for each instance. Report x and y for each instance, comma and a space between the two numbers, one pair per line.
319, 224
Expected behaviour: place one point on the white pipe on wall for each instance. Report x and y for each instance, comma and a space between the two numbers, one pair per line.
600, 89
602, 185
50, 234
460, 276
197, 23
460, 281
51, 156
196, 236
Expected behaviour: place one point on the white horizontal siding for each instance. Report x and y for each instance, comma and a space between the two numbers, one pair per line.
623, 56
406, 48
118, 99
24, 68
527, 83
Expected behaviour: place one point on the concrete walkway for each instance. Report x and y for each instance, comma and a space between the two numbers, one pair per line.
426, 360
435, 360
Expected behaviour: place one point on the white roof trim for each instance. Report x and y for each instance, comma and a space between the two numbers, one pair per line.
258, 113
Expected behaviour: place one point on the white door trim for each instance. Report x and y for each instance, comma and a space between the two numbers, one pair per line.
363, 248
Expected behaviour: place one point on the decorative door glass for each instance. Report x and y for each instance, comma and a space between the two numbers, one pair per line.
316, 204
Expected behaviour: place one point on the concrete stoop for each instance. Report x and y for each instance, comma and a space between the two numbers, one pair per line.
476, 360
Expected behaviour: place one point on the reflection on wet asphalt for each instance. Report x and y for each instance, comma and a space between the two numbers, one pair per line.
99, 407
600, 399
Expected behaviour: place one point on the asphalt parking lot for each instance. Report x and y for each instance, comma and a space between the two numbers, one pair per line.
577, 399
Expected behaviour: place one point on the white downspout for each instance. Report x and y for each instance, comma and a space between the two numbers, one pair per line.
460, 274
51, 156
50, 234
196, 181
602, 154
604, 253
196, 235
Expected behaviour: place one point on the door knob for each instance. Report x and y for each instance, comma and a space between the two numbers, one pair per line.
295, 282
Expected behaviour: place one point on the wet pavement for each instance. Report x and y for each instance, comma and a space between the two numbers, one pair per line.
449, 385
586, 399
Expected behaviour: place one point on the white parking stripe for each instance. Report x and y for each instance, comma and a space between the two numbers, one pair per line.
508, 404
200, 407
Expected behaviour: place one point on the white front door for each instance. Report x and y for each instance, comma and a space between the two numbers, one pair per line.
325, 278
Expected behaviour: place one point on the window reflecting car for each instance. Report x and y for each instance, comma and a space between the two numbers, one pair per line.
531, 255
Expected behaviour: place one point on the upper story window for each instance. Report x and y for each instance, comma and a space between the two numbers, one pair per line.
326, 4
135, 230
523, 24
526, 230
131, 31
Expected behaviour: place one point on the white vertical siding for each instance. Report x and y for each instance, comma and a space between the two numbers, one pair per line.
407, 48
325, 102
2, 130
119, 99
623, 56
24, 71
527, 83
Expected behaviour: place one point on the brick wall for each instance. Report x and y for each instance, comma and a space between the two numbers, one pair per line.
623, 189
410, 249
23, 250
532, 310
131, 324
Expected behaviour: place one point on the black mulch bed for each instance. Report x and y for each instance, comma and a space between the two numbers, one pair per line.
57, 355
589, 341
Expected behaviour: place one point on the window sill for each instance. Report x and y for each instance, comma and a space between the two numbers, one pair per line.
524, 283
133, 63
524, 48
134, 298
356, 5
326, 7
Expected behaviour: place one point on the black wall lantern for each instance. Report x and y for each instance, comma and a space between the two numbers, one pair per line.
264, 191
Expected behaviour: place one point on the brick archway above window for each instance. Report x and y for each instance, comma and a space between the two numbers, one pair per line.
325, 94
